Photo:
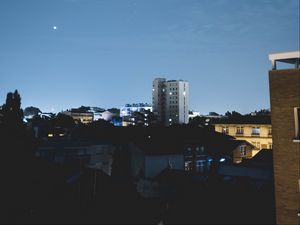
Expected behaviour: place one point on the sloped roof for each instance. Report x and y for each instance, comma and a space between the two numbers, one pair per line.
265, 119
264, 156
174, 141
170, 175
226, 146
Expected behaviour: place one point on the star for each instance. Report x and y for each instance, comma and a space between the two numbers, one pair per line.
54, 27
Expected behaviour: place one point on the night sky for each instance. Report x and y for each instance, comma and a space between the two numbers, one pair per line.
107, 52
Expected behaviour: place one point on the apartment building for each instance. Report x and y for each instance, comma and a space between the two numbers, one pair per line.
82, 117
170, 100
258, 134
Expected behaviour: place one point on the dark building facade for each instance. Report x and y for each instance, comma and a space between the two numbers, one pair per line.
285, 103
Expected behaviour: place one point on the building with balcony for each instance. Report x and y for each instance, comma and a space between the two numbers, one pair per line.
285, 106
256, 132
80, 117
129, 109
170, 100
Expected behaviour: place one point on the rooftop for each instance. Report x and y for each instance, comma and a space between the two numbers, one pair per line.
286, 57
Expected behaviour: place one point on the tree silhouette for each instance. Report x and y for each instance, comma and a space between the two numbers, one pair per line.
31, 111
62, 120
12, 112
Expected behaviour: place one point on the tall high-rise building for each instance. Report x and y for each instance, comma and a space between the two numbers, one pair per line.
285, 109
170, 100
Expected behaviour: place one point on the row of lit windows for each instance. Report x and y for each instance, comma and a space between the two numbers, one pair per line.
240, 130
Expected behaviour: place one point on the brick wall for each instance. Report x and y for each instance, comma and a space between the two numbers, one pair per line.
284, 96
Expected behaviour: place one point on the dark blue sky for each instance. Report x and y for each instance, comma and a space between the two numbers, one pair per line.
107, 52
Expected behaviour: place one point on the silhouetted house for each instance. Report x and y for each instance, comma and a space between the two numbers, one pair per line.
184, 148
150, 159
203, 156
55, 132
165, 185
44, 128
232, 150
92, 155
259, 168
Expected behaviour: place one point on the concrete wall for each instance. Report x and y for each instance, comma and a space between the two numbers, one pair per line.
284, 96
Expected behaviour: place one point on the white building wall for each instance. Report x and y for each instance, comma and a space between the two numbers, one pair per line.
183, 102
170, 100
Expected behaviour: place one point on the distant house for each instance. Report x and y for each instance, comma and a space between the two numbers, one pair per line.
129, 109
97, 156
259, 168
166, 184
254, 129
80, 117
153, 158
183, 148
107, 115
201, 156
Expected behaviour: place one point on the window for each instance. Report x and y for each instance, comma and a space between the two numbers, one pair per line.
202, 149
243, 150
240, 130
188, 165
270, 131
255, 131
225, 130
297, 123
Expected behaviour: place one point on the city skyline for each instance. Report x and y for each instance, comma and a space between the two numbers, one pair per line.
64, 54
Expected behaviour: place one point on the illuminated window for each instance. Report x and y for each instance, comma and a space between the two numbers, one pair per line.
240, 130
225, 130
243, 150
255, 131
188, 165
